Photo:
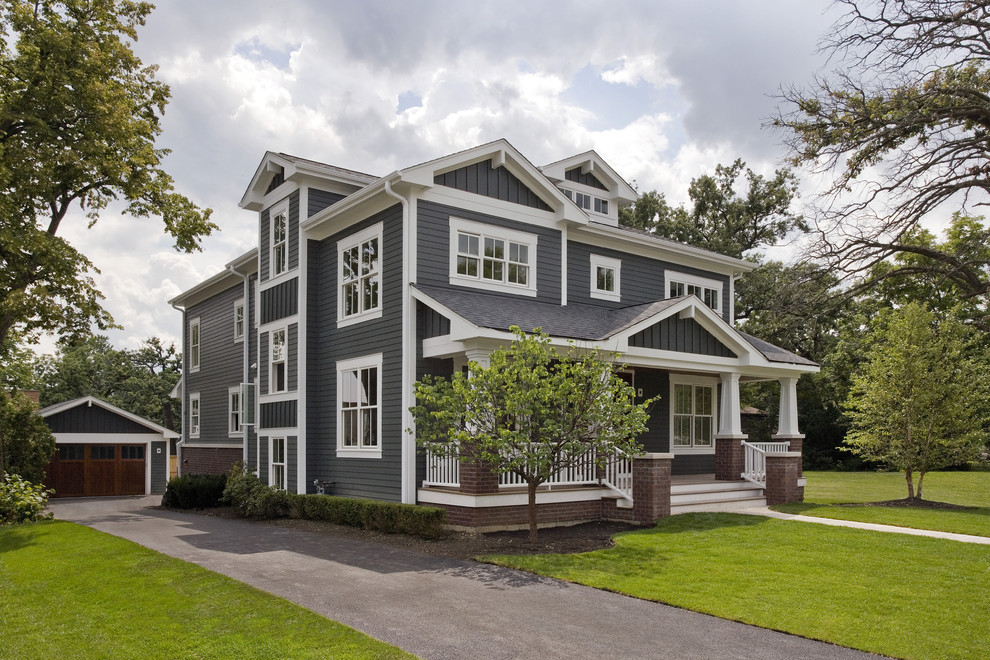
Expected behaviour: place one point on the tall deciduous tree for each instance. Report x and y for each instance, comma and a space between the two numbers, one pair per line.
532, 412
29, 442
726, 216
917, 403
79, 116
902, 129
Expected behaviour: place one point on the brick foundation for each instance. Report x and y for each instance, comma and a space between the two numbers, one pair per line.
730, 459
783, 471
651, 487
551, 514
208, 460
796, 445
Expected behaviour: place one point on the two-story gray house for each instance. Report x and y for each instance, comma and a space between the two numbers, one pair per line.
301, 357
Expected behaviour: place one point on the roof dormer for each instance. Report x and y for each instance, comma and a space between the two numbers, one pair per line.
278, 169
593, 185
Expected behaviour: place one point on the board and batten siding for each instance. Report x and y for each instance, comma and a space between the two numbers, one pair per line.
93, 419
642, 280
681, 335
433, 248
221, 364
498, 183
377, 478
280, 301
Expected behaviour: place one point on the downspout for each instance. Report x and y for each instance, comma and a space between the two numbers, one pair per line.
182, 395
408, 463
247, 346
732, 297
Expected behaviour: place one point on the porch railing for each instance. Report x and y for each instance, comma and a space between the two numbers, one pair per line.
442, 471
755, 459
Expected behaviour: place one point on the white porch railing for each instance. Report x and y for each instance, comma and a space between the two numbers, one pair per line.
617, 474
755, 457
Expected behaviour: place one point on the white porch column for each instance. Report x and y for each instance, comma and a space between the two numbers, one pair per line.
729, 419
479, 355
787, 426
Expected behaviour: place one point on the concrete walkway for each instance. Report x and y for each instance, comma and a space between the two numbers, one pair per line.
437, 607
873, 527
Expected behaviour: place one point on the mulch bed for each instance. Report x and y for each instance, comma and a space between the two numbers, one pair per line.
909, 503
462, 545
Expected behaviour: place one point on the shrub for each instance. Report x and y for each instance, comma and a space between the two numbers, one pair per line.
22, 501
389, 517
253, 499
194, 491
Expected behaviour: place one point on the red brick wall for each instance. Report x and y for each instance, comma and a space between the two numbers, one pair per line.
651, 489
548, 514
782, 476
209, 460
730, 459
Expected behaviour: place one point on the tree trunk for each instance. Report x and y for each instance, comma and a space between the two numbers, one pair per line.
2, 472
921, 478
531, 487
910, 482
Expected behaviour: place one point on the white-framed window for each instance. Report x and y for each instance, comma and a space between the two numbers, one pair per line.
194, 345
710, 291
277, 369
605, 277
277, 470
194, 415
359, 411
488, 257
587, 202
280, 243
239, 320
234, 411
692, 414
360, 275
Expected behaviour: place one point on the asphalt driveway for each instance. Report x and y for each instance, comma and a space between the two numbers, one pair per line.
436, 607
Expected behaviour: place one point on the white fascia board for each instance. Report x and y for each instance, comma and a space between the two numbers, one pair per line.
246, 264
712, 365
107, 438
603, 235
358, 206
209, 287
253, 196
93, 401
590, 161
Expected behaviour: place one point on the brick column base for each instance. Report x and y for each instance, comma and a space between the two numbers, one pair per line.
796, 445
730, 460
651, 487
783, 472
477, 478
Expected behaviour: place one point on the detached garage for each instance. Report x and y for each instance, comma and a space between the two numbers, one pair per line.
101, 449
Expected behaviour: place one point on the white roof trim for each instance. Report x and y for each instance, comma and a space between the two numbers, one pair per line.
92, 400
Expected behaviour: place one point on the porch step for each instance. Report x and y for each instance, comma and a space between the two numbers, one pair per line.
718, 505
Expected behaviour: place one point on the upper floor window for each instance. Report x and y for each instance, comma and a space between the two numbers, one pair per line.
710, 291
276, 361
239, 320
490, 257
588, 202
360, 260
358, 406
194, 342
280, 244
605, 277
194, 415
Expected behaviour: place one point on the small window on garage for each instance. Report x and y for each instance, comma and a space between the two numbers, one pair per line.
71, 452
132, 453
102, 452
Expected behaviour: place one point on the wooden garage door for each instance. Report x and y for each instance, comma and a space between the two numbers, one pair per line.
92, 470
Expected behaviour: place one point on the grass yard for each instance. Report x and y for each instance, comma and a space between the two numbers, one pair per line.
903, 596
73, 592
826, 489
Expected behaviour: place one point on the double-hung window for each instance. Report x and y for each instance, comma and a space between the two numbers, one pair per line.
361, 274
605, 280
194, 415
276, 361
194, 342
359, 406
234, 411
693, 415
280, 244
489, 257
278, 463
710, 291
239, 320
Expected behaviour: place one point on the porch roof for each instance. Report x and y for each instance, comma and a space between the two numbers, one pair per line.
573, 321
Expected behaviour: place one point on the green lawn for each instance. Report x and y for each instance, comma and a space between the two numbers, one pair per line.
72, 592
971, 489
904, 596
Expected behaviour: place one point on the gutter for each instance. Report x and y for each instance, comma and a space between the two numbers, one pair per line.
182, 395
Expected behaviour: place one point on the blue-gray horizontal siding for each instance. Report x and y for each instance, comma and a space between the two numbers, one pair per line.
263, 459
159, 471
319, 200
642, 279
681, 335
264, 243
93, 419
294, 230
588, 179
291, 463
433, 247
278, 415
498, 183
378, 478
221, 364
693, 464
433, 366
280, 301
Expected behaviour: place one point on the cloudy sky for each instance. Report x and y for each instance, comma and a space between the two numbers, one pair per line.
663, 90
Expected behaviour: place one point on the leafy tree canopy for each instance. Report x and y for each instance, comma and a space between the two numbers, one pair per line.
79, 115
720, 218
28, 442
532, 412
902, 130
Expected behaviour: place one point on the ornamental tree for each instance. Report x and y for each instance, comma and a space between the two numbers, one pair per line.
532, 412
919, 401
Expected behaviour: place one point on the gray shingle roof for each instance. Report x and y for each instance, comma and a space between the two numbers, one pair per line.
575, 321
